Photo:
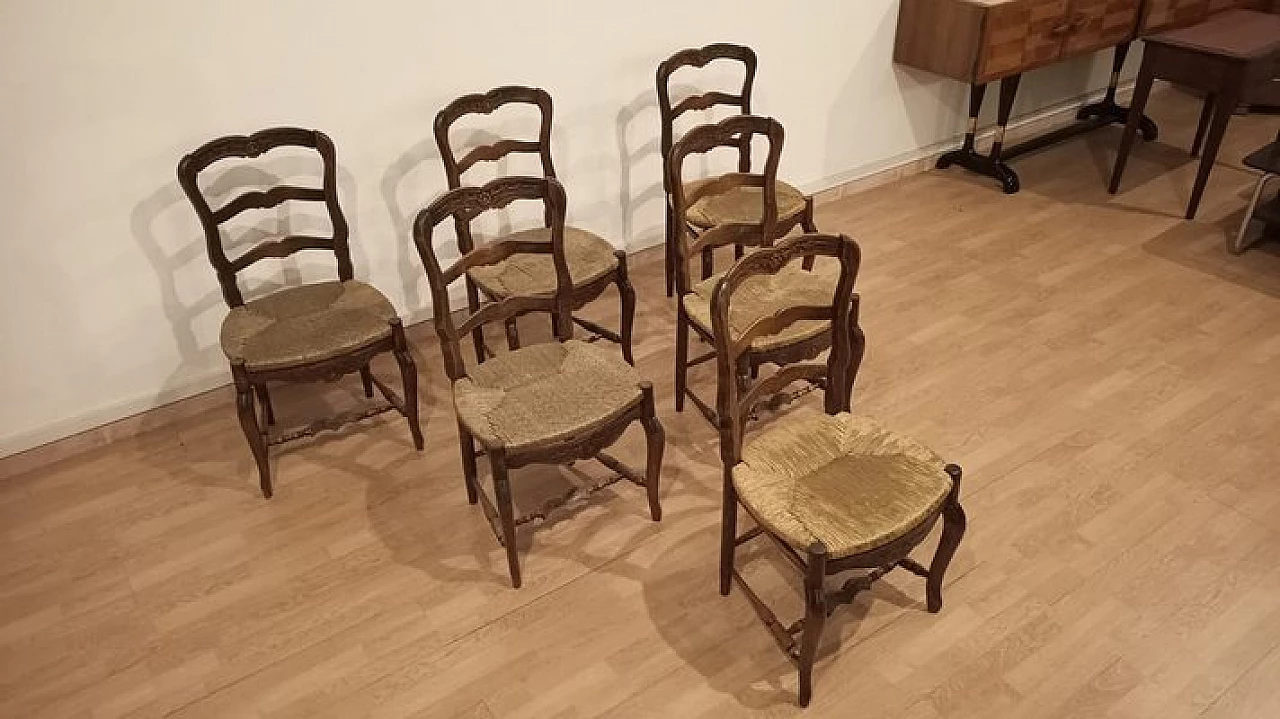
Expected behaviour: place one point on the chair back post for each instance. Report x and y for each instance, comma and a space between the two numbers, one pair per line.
463, 205
211, 220
734, 406
699, 57
702, 140
486, 103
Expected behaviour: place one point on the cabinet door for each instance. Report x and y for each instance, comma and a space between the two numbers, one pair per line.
1021, 35
1098, 24
1160, 15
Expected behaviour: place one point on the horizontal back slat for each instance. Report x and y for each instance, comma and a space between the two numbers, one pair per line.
259, 200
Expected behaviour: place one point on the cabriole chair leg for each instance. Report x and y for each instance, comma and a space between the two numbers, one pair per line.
409, 376
682, 355
953, 526
728, 534
815, 617
249, 423
627, 296
468, 445
506, 511
655, 440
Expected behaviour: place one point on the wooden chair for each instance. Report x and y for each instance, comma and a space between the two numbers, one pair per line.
735, 204
795, 285
547, 403
833, 490
304, 333
594, 264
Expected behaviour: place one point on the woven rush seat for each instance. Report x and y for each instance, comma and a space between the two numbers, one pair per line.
763, 295
843, 480
306, 324
590, 258
740, 205
544, 393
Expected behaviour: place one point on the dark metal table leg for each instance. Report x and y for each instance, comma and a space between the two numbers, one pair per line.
992, 164
1106, 111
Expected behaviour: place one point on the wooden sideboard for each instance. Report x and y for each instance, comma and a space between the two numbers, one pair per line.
983, 41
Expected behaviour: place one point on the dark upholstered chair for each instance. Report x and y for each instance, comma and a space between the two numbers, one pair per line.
546, 403
1266, 160
734, 204
306, 332
835, 491
594, 264
761, 297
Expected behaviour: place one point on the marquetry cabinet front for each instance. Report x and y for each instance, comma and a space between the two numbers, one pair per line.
983, 40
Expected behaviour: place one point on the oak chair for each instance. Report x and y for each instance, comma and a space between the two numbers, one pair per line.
547, 403
799, 284
594, 264
734, 204
310, 332
833, 490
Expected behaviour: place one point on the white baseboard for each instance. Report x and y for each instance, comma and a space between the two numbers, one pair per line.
1034, 124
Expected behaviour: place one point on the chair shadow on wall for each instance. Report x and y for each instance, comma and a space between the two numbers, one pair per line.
633, 196
412, 275
219, 456
424, 157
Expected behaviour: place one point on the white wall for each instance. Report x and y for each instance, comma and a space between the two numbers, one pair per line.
109, 306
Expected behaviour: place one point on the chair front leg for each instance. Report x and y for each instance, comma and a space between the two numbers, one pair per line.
953, 526
249, 424
627, 295
682, 354
513, 334
477, 334
366, 379
655, 440
808, 225
264, 398
728, 531
669, 250
506, 510
468, 445
409, 376
815, 617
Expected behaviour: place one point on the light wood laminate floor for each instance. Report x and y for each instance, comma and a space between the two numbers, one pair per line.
1108, 376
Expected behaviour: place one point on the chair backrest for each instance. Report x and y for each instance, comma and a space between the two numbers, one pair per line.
735, 404
463, 205
699, 57
487, 103
252, 146
701, 140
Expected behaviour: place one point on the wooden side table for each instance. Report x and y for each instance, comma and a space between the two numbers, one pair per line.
1225, 57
